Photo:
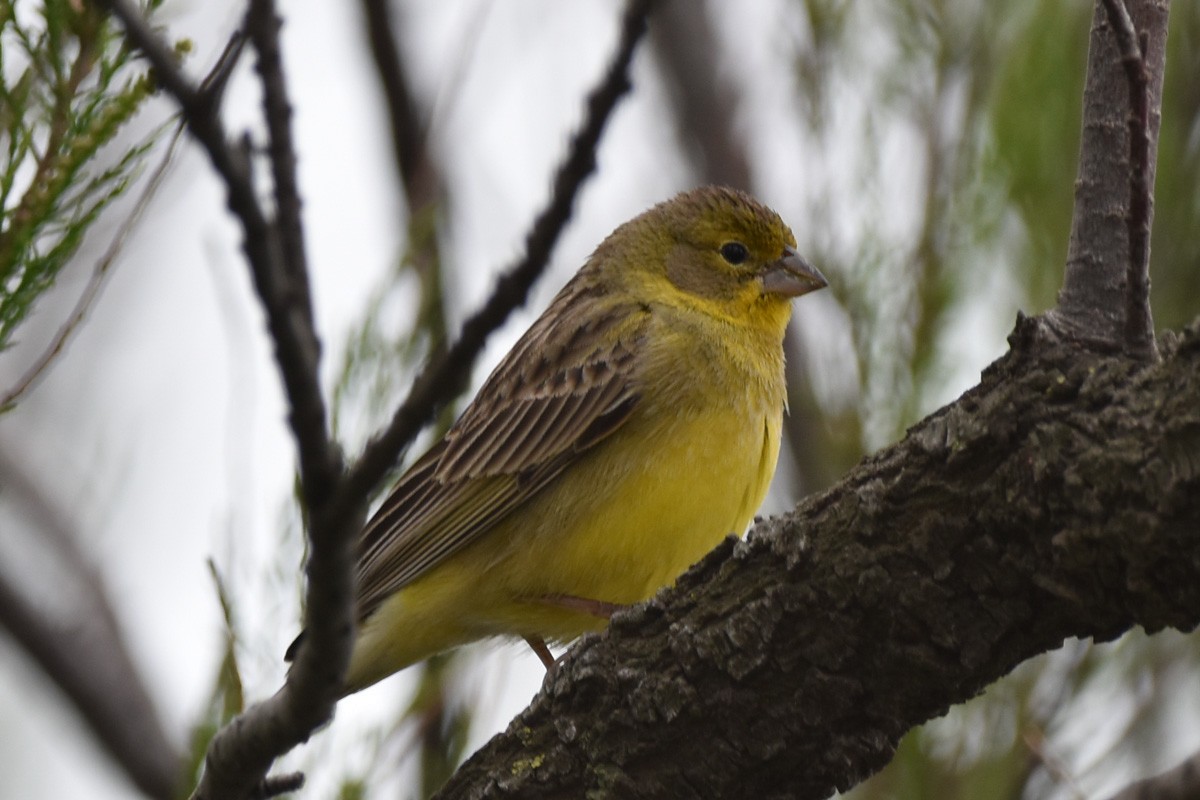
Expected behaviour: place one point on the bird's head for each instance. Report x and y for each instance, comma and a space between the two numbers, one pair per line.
715, 250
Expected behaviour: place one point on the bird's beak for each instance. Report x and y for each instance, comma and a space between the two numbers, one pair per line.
792, 276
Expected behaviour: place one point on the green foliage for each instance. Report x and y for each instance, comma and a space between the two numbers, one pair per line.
1035, 119
67, 85
1174, 259
352, 790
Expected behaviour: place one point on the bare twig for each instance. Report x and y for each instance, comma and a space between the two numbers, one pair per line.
443, 379
1139, 326
291, 332
1059, 771
215, 82
84, 652
242, 752
263, 25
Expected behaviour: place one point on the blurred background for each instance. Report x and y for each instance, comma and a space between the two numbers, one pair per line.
923, 151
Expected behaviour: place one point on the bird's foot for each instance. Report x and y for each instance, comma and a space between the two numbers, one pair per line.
597, 608
538, 645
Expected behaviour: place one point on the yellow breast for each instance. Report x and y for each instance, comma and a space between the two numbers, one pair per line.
689, 467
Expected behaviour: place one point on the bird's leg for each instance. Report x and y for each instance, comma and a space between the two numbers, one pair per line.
597, 608
538, 644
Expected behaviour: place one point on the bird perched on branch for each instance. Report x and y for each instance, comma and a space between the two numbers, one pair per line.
631, 428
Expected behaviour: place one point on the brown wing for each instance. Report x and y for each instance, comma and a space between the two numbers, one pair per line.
569, 382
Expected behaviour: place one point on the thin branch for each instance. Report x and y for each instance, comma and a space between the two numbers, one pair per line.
1139, 326
705, 96
295, 341
277, 785
167, 73
408, 132
241, 753
445, 378
83, 651
263, 25
213, 86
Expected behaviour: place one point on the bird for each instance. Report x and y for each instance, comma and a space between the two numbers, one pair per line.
633, 427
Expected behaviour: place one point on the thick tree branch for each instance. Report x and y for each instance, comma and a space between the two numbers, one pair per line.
1059, 498
1105, 294
443, 379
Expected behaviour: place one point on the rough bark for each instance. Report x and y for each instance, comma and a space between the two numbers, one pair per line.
1059, 498
1095, 302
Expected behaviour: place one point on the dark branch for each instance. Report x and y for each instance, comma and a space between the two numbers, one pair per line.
1105, 296
242, 752
422, 181
263, 25
705, 103
706, 99
1059, 498
290, 327
277, 785
1139, 326
446, 377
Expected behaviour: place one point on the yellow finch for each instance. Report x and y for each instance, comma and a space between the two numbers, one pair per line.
628, 431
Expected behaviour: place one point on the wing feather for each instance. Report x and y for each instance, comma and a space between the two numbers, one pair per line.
570, 380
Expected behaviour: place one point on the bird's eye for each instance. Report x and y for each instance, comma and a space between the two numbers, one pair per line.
734, 252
